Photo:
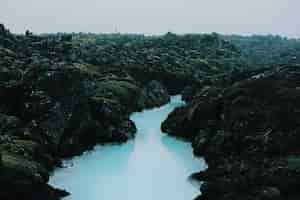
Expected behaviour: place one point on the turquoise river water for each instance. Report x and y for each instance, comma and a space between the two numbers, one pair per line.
153, 166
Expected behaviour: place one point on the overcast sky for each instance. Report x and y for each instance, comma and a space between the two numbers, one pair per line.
153, 16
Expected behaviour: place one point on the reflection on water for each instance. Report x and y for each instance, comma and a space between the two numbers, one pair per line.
153, 166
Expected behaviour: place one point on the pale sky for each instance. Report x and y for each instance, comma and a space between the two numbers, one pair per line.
153, 16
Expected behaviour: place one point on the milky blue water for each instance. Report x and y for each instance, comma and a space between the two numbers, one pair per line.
153, 166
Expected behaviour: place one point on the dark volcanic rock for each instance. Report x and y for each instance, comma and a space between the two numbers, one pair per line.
56, 112
245, 132
185, 121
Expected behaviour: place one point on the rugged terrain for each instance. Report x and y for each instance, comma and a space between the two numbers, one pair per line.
52, 108
61, 94
248, 132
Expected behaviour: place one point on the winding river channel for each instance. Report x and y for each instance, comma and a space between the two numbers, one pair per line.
153, 166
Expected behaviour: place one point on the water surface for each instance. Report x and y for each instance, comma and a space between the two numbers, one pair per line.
153, 166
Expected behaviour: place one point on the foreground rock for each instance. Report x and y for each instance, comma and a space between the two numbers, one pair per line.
248, 134
59, 112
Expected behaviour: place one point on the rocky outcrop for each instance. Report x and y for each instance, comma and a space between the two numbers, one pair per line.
153, 95
21, 176
220, 81
55, 112
248, 134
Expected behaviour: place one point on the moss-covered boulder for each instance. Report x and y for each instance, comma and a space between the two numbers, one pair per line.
123, 91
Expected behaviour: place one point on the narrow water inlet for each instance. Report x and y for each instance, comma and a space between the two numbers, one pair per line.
152, 166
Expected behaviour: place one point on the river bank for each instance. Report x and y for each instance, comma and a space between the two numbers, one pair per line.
248, 133
152, 166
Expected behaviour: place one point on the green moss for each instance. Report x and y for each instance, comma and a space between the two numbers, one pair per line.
22, 147
14, 167
123, 91
17, 164
89, 69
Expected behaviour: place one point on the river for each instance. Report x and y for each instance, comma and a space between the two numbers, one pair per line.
153, 166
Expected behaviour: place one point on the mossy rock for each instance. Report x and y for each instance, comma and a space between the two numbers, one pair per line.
26, 148
15, 166
123, 91
293, 162
87, 68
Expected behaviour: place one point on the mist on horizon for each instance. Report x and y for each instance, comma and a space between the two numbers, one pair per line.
153, 17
